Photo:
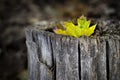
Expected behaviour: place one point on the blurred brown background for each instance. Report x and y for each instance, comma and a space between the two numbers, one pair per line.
15, 15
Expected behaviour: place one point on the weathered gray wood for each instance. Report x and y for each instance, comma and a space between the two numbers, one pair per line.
66, 59
45, 57
32, 61
56, 57
85, 60
45, 50
93, 59
101, 66
113, 51
72, 59
39, 56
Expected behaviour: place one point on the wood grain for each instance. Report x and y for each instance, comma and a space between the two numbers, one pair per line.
56, 57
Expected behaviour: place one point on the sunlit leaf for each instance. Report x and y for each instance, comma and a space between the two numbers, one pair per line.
90, 30
82, 28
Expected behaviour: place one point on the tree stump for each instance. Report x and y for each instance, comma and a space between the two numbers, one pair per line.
57, 57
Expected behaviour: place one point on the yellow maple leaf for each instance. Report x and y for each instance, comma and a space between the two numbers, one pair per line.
82, 28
